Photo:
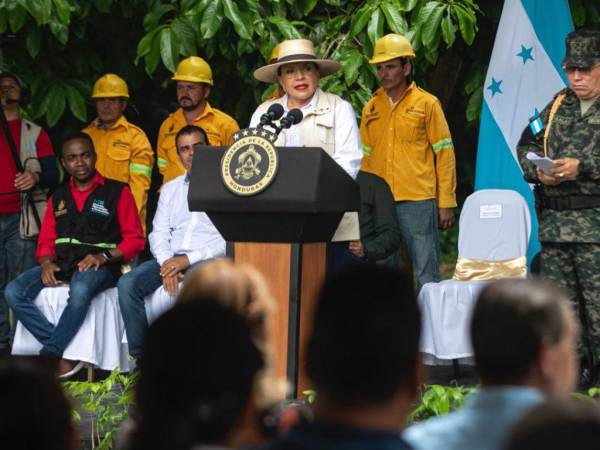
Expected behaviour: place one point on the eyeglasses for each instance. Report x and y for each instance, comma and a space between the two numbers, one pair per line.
8, 87
74, 157
305, 69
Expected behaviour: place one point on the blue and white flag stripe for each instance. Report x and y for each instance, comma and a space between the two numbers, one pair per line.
523, 76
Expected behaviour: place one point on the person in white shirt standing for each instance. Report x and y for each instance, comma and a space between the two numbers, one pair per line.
180, 239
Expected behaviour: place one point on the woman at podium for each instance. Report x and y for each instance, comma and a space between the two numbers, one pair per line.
328, 121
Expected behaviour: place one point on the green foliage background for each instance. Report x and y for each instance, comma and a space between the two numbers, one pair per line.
60, 47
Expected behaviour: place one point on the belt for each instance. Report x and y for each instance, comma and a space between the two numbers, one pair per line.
571, 202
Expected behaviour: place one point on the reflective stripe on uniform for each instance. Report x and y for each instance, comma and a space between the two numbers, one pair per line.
140, 169
366, 150
441, 145
162, 163
78, 242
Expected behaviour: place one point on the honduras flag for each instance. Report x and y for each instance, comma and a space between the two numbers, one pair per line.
523, 76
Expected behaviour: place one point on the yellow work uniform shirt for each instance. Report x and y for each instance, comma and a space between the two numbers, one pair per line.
124, 154
218, 126
409, 145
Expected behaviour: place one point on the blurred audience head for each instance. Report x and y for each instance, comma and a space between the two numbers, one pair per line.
557, 425
34, 412
237, 286
243, 289
363, 351
524, 333
197, 377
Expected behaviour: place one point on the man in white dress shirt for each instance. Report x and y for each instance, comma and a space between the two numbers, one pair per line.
180, 239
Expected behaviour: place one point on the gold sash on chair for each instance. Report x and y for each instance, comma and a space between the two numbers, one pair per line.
468, 269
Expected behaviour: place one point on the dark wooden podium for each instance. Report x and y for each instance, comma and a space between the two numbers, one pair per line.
283, 232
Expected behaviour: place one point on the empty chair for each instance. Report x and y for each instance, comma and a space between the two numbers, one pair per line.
494, 231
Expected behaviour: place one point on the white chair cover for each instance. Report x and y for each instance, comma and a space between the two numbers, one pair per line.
98, 341
494, 225
157, 303
101, 340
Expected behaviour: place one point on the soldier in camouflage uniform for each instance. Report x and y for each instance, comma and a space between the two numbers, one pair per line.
568, 196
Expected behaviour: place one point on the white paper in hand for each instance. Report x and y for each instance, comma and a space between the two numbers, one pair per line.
541, 162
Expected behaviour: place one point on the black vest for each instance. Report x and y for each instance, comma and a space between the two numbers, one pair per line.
90, 231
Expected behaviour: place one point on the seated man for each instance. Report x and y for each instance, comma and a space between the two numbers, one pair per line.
380, 235
91, 225
179, 239
363, 360
524, 335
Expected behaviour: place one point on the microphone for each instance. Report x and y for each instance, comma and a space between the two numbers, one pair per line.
274, 112
293, 117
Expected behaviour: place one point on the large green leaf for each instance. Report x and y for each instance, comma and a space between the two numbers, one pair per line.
466, 23
153, 57
169, 48
448, 30
33, 41
153, 17
285, 28
145, 45
394, 19
431, 25
59, 30
56, 104
351, 61
360, 19
40, 10
474, 105
186, 36
406, 5
17, 18
232, 12
3, 23
309, 5
375, 27
63, 11
578, 13
76, 103
211, 19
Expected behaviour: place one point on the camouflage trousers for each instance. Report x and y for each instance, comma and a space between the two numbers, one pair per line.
576, 269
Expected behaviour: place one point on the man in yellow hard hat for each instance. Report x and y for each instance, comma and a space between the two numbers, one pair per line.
407, 142
124, 152
194, 82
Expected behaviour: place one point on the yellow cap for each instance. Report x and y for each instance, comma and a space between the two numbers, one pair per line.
110, 85
391, 46
193, 69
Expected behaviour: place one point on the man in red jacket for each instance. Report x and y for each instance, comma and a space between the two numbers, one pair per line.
40, 171
91, 225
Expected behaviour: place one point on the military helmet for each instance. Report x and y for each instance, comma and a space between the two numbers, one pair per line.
195, 70
110, 85
583, 49
391, 46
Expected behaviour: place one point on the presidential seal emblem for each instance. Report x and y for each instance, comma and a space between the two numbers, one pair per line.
250, 164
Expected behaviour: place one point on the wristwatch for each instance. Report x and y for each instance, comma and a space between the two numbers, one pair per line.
107, 255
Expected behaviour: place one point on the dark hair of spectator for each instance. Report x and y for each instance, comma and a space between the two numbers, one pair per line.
34, 412
510, 322
77, 135
558, 424
12, 76
365, 337
197, 375
191, 129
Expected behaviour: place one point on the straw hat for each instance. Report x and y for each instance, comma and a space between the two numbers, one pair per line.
292, 51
